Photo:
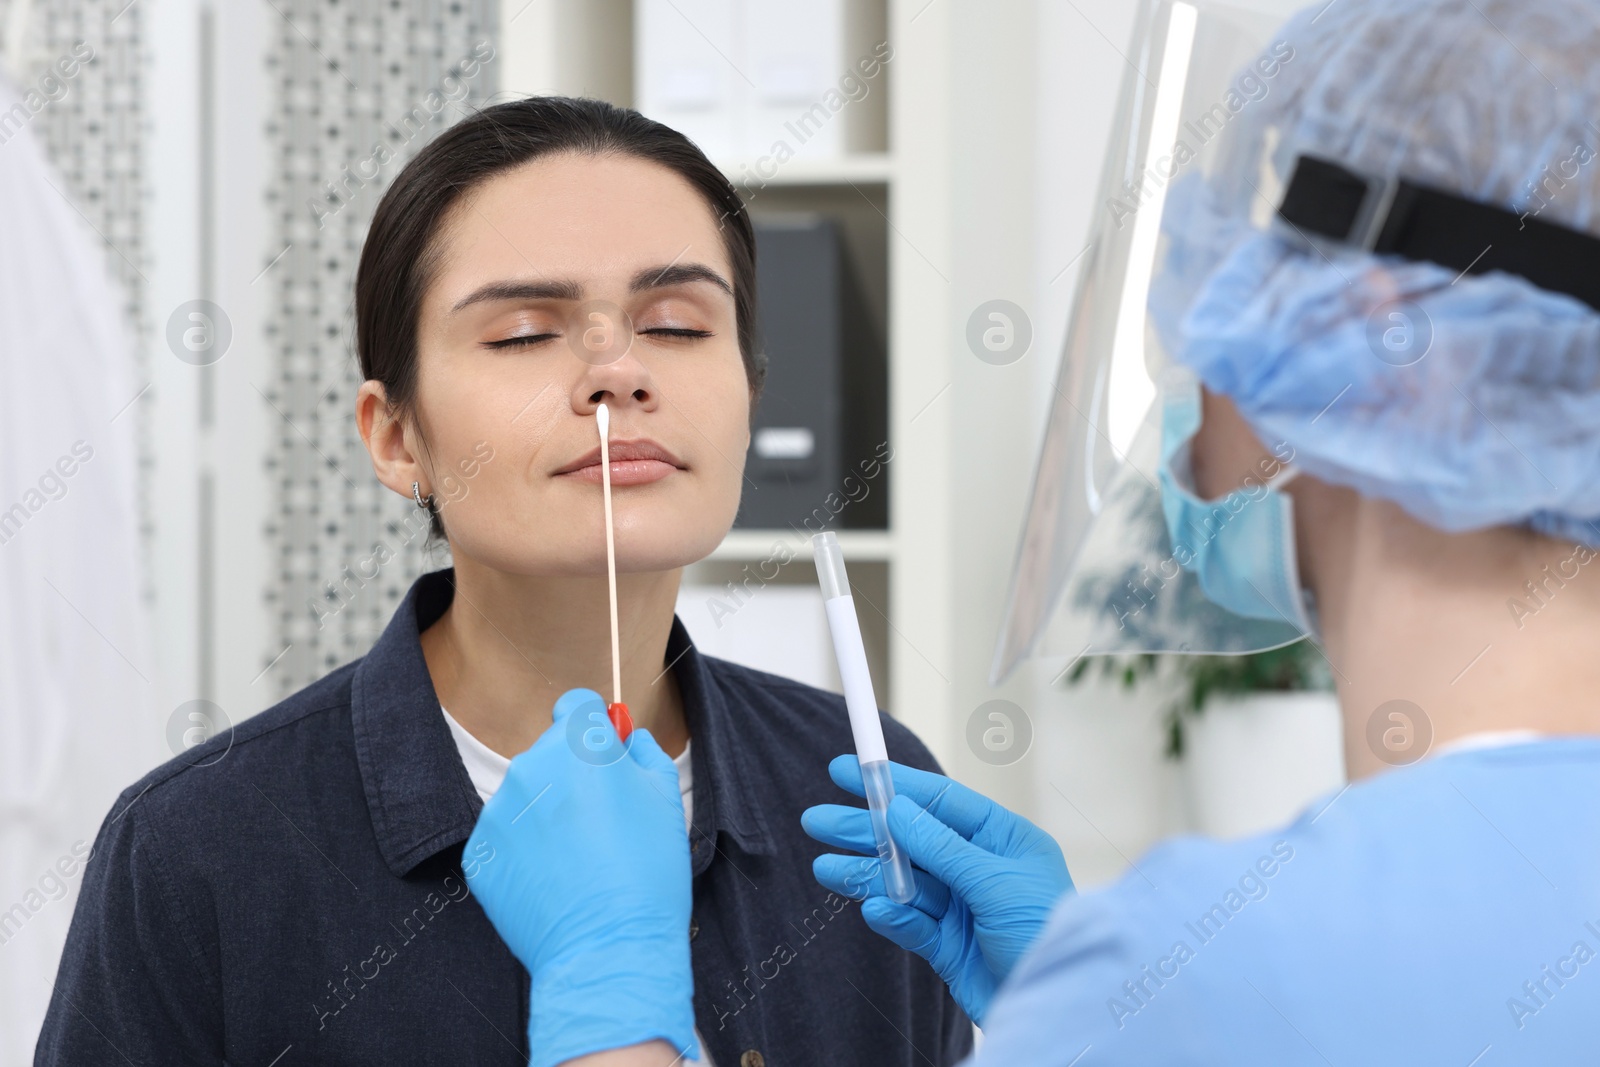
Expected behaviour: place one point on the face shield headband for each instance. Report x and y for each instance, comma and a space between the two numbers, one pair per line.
1326, 201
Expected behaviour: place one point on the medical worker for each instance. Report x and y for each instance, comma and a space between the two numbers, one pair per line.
1365, 242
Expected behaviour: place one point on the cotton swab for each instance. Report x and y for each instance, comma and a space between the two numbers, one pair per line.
616, 710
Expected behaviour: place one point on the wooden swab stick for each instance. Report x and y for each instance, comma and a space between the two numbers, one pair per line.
617, 710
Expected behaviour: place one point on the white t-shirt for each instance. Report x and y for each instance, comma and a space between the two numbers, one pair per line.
487, 769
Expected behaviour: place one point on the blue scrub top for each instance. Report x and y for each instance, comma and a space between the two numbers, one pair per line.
1443, 913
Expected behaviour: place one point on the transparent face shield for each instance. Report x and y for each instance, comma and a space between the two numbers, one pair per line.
1098, 570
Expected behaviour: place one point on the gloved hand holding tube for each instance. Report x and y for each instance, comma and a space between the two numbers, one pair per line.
581, 861
987, 881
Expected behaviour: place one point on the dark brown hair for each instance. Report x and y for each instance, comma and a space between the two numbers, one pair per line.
402, 249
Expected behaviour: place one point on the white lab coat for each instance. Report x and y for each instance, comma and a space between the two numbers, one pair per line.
77, 715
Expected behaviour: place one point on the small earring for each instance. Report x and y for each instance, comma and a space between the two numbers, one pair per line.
416, 494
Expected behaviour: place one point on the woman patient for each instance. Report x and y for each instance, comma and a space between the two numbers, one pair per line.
292, 892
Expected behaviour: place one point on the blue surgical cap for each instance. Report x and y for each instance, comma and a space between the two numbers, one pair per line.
1492, 414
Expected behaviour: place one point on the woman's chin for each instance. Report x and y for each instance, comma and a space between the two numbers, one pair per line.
666, 547
664, 539
640, 550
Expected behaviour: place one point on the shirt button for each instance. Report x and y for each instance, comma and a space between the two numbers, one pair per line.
752, 1058
694, 928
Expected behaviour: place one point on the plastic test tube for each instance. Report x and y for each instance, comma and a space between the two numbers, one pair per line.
863, 707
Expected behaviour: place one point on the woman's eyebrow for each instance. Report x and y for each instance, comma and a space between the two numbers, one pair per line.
567, 289
677, 274
559, 289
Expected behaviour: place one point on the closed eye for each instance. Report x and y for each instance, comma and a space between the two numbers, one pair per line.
521, 340
673, 331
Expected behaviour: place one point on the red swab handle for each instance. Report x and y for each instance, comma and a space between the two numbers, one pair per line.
620, 719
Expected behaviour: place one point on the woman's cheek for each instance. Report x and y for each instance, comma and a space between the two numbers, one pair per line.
733, 425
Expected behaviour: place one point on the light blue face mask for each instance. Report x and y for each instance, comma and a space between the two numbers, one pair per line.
1240, 547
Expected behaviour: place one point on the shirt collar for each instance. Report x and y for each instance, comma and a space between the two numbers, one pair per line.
418, 792
727, 772
1486, 739
419, 795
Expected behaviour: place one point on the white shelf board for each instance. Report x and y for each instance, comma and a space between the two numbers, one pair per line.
864, 545
860, 168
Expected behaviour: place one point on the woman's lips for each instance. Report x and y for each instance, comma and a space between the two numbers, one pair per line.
624, 472
633, 462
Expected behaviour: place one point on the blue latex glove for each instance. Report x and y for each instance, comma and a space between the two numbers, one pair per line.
987, 878
581, 861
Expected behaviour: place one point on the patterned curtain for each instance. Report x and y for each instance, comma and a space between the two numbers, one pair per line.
362, 85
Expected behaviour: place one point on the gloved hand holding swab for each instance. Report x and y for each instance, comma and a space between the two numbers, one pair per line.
863, 708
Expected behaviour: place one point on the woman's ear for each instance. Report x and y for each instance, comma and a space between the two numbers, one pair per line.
383, 431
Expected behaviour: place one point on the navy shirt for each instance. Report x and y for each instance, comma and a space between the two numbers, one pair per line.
290, 892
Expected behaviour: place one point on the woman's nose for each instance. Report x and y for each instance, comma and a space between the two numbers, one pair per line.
620, 395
